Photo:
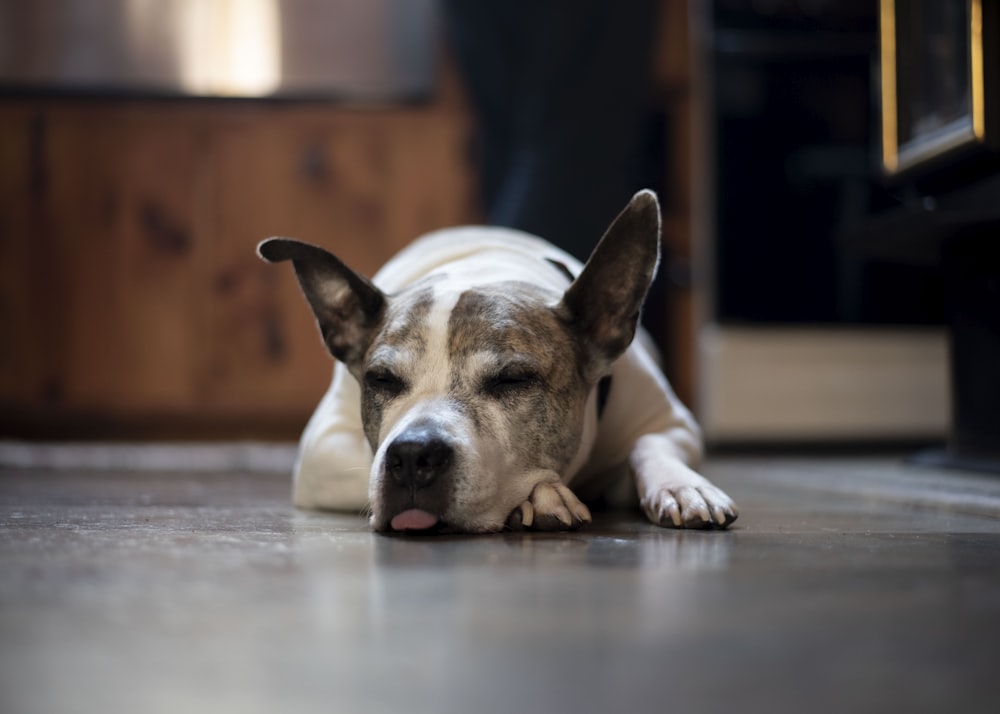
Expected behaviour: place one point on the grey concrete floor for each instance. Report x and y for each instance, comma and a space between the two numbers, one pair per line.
847, 585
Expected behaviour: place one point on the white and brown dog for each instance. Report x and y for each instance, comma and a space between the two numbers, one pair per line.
482, 387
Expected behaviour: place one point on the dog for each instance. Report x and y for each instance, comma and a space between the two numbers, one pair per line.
487, 381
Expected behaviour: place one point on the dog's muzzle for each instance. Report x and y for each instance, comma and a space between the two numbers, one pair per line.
418, 463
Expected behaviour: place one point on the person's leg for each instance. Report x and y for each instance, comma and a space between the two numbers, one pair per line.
484, 38
561, 90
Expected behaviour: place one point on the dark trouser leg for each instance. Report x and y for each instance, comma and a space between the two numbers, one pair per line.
560, 92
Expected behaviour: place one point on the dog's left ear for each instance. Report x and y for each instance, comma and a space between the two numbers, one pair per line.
602, 305
347, 306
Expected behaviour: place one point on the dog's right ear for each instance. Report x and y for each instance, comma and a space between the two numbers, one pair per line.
602, 305
347, 306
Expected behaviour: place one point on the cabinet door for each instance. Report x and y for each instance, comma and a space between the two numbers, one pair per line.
132, 299
318, 181
360, 184
99, 218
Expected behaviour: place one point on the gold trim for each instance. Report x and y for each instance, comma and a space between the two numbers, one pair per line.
896, 158
976, 70
890, 138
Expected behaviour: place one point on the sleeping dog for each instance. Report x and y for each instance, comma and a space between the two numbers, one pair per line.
486, 381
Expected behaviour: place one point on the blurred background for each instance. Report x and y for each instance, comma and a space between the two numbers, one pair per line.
147, 146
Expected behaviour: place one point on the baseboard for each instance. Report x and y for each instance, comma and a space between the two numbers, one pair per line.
815, 384
184, 457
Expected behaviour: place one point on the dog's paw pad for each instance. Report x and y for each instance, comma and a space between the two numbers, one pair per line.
551, 507
690, 507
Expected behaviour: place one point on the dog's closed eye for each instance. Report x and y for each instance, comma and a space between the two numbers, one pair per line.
385, 382
510, 382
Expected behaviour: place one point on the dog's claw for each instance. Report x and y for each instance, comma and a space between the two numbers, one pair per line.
551, 507
690, 507
668, 510
522, 517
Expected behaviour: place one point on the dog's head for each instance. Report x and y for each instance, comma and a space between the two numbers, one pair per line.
473, 396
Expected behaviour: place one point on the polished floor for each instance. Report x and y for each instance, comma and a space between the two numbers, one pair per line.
847, 585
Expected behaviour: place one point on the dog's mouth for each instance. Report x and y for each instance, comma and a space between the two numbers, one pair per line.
415, 520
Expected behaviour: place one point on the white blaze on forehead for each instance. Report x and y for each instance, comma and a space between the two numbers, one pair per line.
435, 366
428, 371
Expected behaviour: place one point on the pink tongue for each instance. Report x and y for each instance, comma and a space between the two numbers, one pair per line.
413, 520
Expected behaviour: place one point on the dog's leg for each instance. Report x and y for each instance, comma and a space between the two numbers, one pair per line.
550, 507
332, 471
671, 493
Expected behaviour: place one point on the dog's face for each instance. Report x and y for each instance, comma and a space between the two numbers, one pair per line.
468, 399
472, 396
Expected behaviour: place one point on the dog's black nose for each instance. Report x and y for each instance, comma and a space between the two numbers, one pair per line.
416, 459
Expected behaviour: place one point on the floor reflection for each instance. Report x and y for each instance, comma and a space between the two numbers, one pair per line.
616, 541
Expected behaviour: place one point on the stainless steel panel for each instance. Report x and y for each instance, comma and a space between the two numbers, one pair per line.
350, 49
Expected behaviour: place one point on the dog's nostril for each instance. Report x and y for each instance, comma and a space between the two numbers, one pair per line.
416, 463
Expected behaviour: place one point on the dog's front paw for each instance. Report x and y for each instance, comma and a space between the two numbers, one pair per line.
550, 507
689, 506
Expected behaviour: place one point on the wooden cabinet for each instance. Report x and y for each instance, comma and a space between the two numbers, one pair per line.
131, 300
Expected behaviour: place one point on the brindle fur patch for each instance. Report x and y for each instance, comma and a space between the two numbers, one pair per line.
514, 323
400, 345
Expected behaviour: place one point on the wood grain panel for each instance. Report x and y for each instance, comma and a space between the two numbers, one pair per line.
131, 291
21, 175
